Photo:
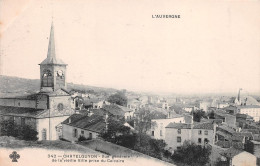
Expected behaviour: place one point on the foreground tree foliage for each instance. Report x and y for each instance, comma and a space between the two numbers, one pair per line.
192, 154
25, 132
119, 134
118, 98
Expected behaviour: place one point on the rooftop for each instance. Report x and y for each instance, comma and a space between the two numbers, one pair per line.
205, 126
231, 152
94, 123
179, 125
20, 111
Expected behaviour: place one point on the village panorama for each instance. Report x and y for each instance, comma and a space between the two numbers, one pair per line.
118, 124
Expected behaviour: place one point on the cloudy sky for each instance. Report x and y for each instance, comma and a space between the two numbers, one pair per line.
213, 47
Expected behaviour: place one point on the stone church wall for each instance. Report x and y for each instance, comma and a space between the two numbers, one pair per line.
17, 102
65, 101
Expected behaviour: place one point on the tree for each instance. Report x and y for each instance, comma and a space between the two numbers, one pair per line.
24, 132
115, 128
211, 115
118, 98
192, 154
198, 114
119, 134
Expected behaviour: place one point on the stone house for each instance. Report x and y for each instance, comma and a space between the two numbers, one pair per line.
200, 134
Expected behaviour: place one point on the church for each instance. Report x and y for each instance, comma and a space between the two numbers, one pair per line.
43, 111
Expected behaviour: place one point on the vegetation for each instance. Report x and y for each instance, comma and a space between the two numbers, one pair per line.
24, 132
192, 154
198, 114
211, 115
118, 98
119, 134
82, 138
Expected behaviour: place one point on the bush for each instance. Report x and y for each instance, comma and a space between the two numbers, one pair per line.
25, 132
192, 154
82, 138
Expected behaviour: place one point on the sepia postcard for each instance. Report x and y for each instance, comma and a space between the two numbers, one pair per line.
129, 82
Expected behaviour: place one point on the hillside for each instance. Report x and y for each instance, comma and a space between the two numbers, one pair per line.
16, 85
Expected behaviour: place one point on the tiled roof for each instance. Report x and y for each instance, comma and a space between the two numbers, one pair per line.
20, 111
239, 138
89, 101
179, 125
223, 144
226, 136
244, 116
231, 152
226, 128
94, 123
253, 131
58, 92
125, 109
212, 120
224, 114
73, 118
206, 126
245, 134
114, 109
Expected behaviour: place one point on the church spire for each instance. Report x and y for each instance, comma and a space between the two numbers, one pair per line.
51, 55
51, 47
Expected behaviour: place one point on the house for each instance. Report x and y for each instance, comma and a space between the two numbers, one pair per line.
224, 133
251, 110
229, 120
82, 125
134, 104
237, 157
158, 125
100, 104
255, 133
119, 111
200, 133
43, 111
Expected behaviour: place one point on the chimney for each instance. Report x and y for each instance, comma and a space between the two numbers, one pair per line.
69, 120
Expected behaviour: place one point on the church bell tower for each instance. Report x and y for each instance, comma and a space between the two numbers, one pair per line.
52, 69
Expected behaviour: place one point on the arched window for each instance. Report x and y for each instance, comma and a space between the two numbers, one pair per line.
47, 79
44, 134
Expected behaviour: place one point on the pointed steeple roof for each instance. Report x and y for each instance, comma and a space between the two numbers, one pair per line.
51, 56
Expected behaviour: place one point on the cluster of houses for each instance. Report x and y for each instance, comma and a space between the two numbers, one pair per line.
55, 113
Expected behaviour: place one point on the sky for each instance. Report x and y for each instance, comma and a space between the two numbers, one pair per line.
213, 48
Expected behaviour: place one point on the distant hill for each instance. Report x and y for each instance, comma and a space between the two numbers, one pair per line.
16, 85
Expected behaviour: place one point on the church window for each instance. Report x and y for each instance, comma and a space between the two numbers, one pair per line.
47, 79
60, 106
